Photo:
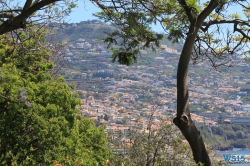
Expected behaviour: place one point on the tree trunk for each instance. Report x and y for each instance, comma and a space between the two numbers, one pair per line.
183, 120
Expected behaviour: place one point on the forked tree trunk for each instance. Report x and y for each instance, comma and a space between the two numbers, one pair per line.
183, 120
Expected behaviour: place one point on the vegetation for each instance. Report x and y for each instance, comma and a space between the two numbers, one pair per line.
226, 136
15, 15
200, 25
154, 146
30, 107
39, 120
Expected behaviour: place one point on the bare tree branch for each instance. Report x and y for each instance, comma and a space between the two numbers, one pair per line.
241, 31
6, 15
217, 22
19, 21
27, 5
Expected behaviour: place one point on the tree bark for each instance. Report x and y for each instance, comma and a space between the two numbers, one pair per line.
19, 21
183, 120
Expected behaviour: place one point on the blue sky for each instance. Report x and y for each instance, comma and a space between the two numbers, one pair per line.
85, 11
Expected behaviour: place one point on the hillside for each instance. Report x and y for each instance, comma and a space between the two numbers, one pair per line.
93, 29
86, 29
120, 91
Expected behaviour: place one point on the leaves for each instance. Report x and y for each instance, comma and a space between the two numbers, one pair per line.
156, 145
39, 120
234, 16
131, 36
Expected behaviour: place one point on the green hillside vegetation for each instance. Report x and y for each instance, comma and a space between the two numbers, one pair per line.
227, 136
92, 29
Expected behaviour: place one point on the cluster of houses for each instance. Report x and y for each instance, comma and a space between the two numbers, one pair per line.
122, 110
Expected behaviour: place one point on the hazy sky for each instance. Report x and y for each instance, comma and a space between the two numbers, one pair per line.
86, 9
85, 12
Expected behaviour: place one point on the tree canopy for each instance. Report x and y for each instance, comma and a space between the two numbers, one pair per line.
39, 115
220, 33
39, 119
208, 29
158, 145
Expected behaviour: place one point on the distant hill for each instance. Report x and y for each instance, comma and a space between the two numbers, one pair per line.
91, 70
94, 29
86, 29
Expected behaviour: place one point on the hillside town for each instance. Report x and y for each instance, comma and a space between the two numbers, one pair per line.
145, 83
130, 95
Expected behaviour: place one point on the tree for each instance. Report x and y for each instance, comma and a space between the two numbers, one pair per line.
18, 16
158, 144
208, 30
39, 119
13, 16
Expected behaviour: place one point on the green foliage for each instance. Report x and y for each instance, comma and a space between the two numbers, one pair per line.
247, 59
133, 25
127, 57
155, 146
227, 136
131, 35
39, 120
178, 19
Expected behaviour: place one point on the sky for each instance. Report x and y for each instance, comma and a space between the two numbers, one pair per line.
85, 11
